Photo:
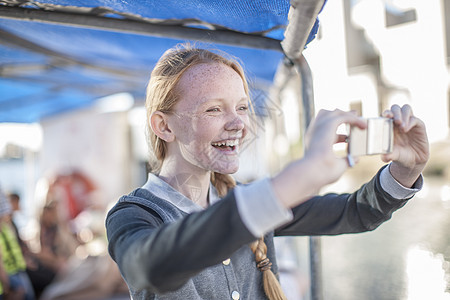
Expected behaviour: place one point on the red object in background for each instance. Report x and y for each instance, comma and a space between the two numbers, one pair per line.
75, 189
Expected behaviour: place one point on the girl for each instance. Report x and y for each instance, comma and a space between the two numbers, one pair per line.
190, 233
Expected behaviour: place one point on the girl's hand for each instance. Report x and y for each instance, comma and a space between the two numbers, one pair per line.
320, 138
320, 166
411, 148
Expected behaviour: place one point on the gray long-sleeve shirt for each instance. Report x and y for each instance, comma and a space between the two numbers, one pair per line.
167, 248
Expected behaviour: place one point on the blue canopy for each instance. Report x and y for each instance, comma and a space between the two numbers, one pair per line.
53, 60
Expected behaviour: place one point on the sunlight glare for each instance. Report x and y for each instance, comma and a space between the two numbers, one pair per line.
426, 276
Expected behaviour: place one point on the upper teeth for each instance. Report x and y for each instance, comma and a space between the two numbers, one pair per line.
228, 143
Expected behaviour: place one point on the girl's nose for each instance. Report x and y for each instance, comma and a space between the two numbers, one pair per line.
235, 122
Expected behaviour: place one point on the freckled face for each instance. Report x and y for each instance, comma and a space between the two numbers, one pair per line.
210, 119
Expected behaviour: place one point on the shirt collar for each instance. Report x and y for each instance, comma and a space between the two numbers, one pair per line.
163, 190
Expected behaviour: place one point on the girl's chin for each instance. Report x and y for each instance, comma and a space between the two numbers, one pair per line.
229, 169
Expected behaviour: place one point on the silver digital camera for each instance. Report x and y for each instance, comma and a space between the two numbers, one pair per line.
377, 138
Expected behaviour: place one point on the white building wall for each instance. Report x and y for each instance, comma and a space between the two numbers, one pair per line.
412, 57
97, 144
327, 59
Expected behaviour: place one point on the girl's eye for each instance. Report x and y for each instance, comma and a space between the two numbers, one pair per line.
243, 108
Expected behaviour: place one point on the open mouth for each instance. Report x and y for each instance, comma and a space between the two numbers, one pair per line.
228, 145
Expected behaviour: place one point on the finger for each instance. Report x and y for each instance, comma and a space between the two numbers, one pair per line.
338, 117
397, 114
406, 116
351, 118
387, 114
360, 122
350, 160
407, 110
413, 122
386, 157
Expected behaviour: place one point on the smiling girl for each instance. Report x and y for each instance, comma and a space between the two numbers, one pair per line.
191, 233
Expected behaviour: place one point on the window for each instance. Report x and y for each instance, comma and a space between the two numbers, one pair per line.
396, 15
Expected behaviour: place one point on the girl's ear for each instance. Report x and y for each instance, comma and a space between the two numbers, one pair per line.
160, 126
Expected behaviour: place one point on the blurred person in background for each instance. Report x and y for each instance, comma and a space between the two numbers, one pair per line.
57, 242
19, 285
4, 279
40, 274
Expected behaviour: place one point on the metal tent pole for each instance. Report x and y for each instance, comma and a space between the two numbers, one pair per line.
302, 15
221, 36
315, 254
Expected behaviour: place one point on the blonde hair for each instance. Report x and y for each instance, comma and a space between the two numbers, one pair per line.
162, 95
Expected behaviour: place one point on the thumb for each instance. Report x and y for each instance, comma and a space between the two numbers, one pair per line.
387, 157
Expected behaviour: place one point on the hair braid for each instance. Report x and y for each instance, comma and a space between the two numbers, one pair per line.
272, 287
222, 183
